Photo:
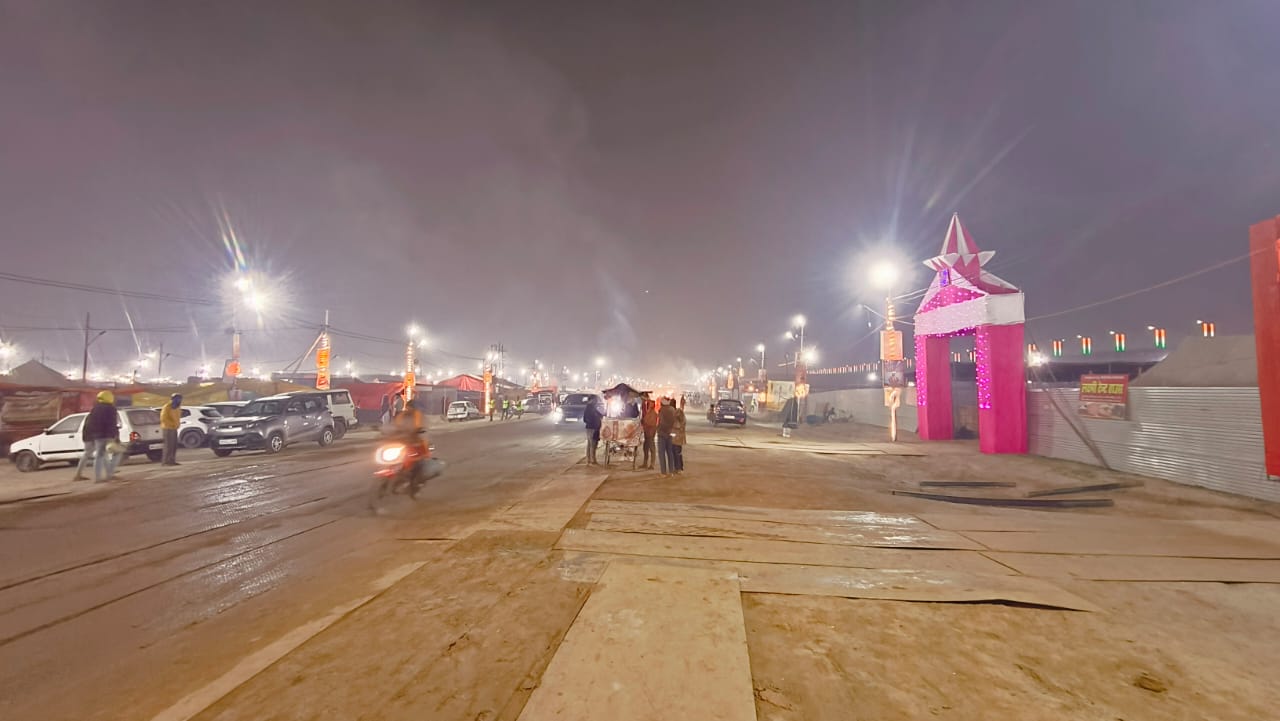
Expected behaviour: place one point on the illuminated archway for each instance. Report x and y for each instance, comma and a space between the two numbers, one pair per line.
965, 299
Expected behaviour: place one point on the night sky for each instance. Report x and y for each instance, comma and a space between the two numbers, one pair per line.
663, 184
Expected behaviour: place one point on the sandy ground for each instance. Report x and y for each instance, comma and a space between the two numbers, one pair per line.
1157, 651
480, 603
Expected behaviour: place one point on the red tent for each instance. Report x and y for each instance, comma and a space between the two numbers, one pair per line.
464, 383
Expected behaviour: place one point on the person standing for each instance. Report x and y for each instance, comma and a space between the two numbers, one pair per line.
649, 424
170, 420
102, 426
666, 431
385, 415
88, 456
591, 418
678, 438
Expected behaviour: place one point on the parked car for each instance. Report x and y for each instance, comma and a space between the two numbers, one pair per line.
570, 410
727, 410
193, 432
542, 402
227, 408
339, 404
462, 411
62, 441
272, 423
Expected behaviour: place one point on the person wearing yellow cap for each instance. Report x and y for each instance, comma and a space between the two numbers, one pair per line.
101, 427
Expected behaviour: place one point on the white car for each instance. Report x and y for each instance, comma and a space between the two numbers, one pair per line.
62, 442
462, 411
193, 432
227, 408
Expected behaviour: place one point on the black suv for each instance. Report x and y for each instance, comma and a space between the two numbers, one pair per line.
727, 410
570, 410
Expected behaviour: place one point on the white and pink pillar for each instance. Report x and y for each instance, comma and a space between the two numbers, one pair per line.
966, 299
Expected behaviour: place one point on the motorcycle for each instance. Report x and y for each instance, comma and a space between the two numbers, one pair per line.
401, 470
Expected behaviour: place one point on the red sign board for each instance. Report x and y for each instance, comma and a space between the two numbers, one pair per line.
1104, 396
1265, 274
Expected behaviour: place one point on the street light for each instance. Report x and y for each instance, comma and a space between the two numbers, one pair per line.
885, 276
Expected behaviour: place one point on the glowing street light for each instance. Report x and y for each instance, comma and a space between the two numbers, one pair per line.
884, 275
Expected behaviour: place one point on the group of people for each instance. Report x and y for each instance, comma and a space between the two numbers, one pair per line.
510, 409
663, 424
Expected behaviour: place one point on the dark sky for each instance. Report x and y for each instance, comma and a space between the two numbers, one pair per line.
524, 172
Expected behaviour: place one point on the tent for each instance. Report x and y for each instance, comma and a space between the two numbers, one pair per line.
195, 394
1222, 362
35, 373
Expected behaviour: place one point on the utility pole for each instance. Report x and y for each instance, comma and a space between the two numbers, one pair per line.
160, 361
84, 365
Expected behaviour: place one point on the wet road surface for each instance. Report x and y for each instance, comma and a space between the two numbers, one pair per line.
113, 605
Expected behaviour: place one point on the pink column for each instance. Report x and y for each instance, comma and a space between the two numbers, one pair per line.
1002, 389
933, 388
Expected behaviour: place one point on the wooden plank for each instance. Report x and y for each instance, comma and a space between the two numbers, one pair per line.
967, 484
1068, 490
745, 549
871, 583
1180, 540
871, 535
1011, 520
653, 643
804, 449
1013, 502
784, 515
1142, 568
550, 506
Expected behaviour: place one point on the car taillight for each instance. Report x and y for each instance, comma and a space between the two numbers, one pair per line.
135, 436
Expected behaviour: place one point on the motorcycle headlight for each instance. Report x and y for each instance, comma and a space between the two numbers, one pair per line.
390, 454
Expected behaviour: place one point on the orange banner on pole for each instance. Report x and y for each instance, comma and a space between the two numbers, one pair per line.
891, 345
322, 365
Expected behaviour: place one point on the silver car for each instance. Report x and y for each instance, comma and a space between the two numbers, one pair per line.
270, 424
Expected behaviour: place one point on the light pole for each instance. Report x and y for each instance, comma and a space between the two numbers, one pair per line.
411, 362
600, 361
884, 276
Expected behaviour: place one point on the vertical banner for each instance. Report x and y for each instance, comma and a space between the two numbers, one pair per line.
409, 380
488, 389
890, 345
1264, 245
322, 363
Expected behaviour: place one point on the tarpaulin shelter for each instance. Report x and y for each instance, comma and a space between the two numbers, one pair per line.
195, 394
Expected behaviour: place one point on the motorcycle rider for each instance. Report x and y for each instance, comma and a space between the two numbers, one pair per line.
411, 428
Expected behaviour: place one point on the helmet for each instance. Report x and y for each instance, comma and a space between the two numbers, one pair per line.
106, 397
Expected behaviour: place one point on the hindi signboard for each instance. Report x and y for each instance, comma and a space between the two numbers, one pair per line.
1104, 396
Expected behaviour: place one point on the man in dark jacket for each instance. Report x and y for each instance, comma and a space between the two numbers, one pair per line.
649, 424
591, 417
666, 437
102, 426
